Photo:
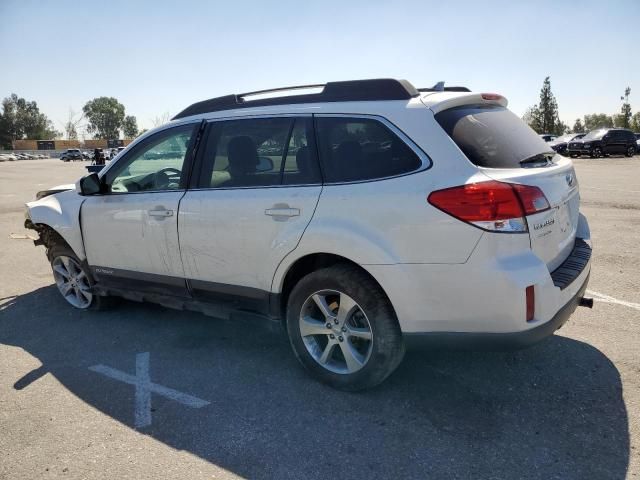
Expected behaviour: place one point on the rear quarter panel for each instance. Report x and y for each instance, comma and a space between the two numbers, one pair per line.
389, 221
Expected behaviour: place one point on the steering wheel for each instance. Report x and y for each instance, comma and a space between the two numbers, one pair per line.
167, 176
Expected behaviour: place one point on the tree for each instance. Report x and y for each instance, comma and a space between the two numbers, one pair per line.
625, 112
70, 130
578, 127
105, 116
160, 119
532, 117
130, 127
22, 119
595, 121
561, 128
543, 117
635, 122
619, 120
72, 124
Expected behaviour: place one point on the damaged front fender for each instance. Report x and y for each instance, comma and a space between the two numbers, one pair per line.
61, 213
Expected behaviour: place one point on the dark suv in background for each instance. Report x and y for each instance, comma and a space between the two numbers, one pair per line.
605, 141
560, 144
72, 154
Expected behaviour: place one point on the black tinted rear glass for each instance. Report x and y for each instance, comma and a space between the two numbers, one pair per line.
491, 136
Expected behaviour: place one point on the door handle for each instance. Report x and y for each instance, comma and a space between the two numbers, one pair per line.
160, 212
282, 210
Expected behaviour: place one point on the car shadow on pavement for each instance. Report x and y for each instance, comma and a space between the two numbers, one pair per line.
552, 411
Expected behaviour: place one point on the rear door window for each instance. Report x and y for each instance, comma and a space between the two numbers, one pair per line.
492, 136
259, 152
355, 149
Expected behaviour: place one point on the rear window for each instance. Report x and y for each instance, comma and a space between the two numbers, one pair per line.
492, 136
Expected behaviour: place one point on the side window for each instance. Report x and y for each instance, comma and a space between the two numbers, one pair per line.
258, 152
157, 164
300, 165
353, 149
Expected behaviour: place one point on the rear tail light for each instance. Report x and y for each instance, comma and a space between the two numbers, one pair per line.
532, 198
493, 206
491, 96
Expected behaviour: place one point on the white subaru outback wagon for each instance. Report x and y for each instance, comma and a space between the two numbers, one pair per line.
362, 214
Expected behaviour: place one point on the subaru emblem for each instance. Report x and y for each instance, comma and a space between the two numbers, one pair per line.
569, 179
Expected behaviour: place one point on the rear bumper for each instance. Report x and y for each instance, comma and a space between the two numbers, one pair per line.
497, 341
485, 297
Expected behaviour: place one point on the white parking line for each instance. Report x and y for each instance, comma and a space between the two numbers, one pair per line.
601, 297
610, 190
144, 386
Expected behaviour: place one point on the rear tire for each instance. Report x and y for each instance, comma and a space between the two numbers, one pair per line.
343, 329
631, 151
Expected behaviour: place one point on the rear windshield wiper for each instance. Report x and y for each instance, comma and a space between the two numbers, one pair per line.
538, 160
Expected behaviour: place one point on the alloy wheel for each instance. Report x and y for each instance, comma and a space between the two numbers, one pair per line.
72, 281
336, 331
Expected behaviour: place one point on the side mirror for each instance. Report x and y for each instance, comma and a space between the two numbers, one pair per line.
265, 164
89, 185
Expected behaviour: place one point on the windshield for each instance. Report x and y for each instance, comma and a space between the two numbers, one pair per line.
594, 134
492, 136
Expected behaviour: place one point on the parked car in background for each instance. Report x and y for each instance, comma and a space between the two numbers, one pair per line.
337, 223
7, 157
603, 142
547, 137
71, 154
637, 142
560, 144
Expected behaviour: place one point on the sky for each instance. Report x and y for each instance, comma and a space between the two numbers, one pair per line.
157, 57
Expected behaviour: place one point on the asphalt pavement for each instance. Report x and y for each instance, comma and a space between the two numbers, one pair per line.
145, 392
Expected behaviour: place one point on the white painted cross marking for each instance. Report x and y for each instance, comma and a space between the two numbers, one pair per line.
144, 386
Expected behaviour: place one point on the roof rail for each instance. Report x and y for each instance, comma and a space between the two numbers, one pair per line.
439, 87
347, 91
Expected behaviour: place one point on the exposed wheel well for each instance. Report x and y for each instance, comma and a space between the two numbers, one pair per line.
310, 263
48, 236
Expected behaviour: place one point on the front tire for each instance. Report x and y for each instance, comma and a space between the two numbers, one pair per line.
631, 151
73, 279
343, 329
596, 152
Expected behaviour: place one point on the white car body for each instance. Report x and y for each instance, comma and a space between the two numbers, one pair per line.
441, 275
